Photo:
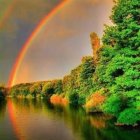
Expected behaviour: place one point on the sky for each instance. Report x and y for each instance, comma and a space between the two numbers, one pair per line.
61, 43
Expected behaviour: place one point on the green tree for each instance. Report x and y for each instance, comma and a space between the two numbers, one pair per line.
48, 88
121, 69
58, 87
86, 74
36, 89
73, 98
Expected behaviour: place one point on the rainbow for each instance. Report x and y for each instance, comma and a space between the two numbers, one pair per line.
29, 41
7, 12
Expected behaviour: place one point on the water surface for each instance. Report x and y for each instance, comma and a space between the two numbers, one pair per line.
24, 119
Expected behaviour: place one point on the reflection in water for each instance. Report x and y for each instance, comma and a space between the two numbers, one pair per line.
99, 120
40, 120
2, 108
32, 120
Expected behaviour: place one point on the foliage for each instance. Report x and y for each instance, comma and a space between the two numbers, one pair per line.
121, 68
98, 99
80, 80
20, 90
112, 105
52, 87
95, 43
95, 101
73, 98
36, 89
58, 87
82, 99
48, 88
86, 75
129, 116
125, 33
87, 68
72, 81
58, 99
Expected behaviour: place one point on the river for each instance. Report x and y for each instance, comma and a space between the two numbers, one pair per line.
26, 119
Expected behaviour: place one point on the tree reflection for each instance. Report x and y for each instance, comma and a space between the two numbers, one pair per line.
2, 108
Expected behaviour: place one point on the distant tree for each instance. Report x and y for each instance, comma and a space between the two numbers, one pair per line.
73, 98
86, 74
95, 42
48, 89
20, 90
58, 87
36, 89
88, 68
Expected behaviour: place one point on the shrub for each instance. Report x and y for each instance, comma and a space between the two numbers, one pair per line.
73, 98
112, 105
95, 101
98, 99
58, 86
35, 89
48, 88
129, 116
82, 99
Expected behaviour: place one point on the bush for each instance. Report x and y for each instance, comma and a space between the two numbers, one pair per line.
35, 89
73, 98
82, 99
58, 86
48, 89
112, 105
95, 101
129, 116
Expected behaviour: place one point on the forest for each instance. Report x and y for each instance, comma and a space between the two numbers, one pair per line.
108, 81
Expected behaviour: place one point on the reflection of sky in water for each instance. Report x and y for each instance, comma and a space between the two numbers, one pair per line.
31, 123
6, 128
